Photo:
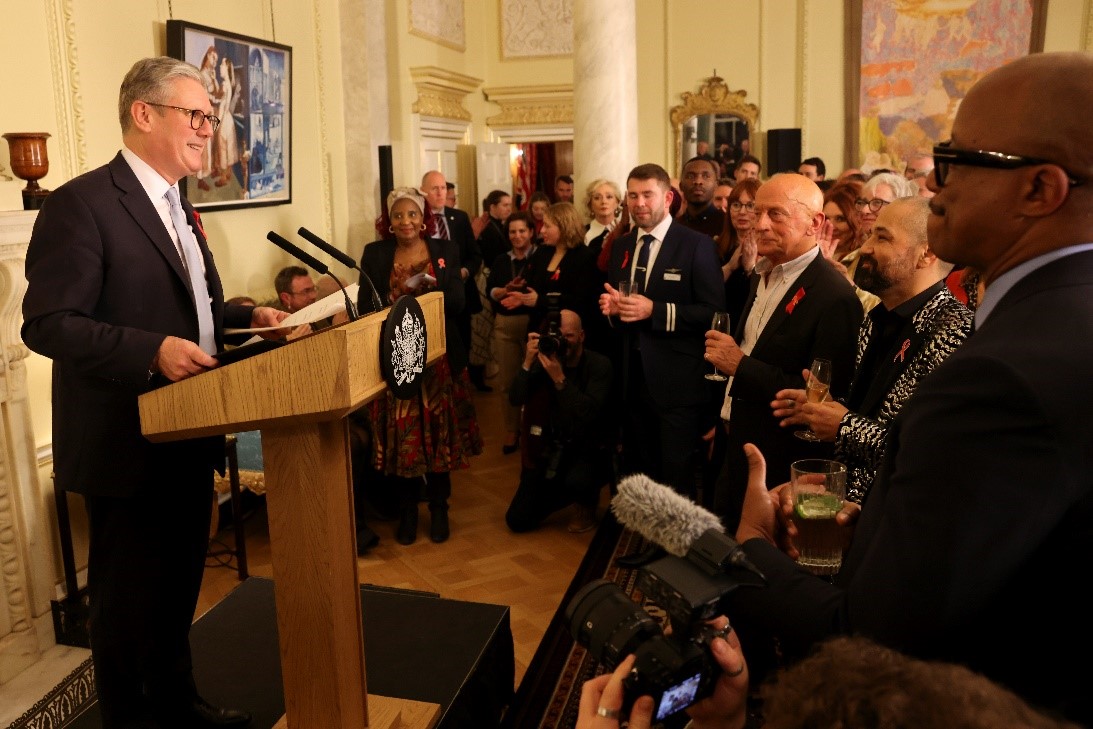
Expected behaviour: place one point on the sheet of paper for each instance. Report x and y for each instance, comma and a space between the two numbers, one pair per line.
324, 308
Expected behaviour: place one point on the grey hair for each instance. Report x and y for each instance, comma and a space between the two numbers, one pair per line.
900, 185
149, 80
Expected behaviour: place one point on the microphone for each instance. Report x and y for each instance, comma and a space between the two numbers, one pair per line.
340, 256
296, 253
322, 268
346, 260
676, 523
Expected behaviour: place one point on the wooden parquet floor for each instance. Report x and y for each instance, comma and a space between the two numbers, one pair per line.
482, 562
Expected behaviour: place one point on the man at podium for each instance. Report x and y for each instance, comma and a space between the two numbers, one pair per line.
124, 296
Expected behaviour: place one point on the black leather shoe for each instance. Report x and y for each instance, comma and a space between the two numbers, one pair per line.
205, 714
366, 539
407, 526
439, 530
642, 558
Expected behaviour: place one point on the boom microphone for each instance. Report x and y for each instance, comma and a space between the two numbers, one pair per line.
661, 515
296, 253
346, 260
676, 523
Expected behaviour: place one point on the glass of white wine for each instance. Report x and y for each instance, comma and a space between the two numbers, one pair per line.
816, 390
720, 323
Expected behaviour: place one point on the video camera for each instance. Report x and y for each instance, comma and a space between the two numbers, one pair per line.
676, 669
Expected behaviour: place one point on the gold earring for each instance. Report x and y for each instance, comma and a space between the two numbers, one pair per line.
423, 226
391, 228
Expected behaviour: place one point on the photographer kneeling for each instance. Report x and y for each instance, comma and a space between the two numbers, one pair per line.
563, 389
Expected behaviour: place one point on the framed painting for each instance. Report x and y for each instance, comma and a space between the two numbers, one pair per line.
248, 160
910, 62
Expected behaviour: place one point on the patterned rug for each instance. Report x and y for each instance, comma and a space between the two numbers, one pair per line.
550, 692
65, 701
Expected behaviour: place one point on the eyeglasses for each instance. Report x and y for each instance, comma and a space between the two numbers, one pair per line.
945, 154
304, 292
197, 117
875, 204
738, 206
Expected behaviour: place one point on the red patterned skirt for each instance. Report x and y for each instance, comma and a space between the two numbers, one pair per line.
434, 432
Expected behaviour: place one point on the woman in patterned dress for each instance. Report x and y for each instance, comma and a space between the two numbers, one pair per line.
416, 443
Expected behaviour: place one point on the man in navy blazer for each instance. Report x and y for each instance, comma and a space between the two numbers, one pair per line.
667, 398
798, 308
112, 302
972, 541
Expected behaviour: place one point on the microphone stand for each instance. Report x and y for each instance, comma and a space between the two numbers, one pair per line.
345, 260
315, 263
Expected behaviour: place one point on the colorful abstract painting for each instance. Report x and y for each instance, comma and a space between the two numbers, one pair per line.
918, 59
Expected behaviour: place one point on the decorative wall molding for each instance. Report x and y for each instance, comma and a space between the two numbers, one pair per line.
531, 106
71, 137
1087, 24
536, 28
324, 130
440, 92
802, 72
440, 21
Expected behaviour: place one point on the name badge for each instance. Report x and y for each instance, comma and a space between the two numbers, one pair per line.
673, 274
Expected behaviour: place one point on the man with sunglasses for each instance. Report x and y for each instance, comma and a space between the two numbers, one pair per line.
978, 527
123, 295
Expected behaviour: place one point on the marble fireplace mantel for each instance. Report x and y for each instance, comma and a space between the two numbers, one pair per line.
26, 510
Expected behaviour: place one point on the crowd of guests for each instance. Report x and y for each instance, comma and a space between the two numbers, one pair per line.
595, 320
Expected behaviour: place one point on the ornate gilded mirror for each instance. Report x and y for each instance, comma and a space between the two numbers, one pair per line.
717, 116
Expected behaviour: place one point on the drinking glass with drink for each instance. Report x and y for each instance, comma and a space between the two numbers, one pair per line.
818, 488
720, 323
816, 390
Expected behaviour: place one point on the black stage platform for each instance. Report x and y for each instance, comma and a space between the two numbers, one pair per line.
417, 646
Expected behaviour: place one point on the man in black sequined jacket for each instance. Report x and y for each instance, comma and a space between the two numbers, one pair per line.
917, 325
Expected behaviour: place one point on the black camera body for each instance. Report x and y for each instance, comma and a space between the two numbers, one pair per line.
551, 341
676, 669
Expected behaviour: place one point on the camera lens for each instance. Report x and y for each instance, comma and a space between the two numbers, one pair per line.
548, 344
608, 623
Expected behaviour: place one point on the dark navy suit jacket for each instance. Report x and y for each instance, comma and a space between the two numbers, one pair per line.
686, 287
106, 286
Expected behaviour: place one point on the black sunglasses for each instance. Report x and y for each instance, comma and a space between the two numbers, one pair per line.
945, 155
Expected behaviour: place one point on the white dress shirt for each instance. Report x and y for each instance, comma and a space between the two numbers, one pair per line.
774, 282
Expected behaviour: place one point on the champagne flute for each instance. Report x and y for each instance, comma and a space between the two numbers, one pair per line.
720, 323
816, 390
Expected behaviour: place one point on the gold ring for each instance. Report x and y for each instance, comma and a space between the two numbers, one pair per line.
612, 713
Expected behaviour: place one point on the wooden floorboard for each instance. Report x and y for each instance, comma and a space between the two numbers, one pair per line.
482, 562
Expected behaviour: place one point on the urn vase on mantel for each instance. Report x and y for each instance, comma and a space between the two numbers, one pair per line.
29, 162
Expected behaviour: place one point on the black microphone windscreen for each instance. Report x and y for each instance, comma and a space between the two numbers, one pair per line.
295, 252
659, 514
340, 256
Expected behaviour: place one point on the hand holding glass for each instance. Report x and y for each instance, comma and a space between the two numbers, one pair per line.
720, 323
818, 490
816, 390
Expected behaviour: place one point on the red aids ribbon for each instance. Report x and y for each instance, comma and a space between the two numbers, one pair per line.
625, 259
197, 220
557, 272
440, 262
795, 300
902, 350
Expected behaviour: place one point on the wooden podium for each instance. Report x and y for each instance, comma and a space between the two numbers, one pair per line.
299, 396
